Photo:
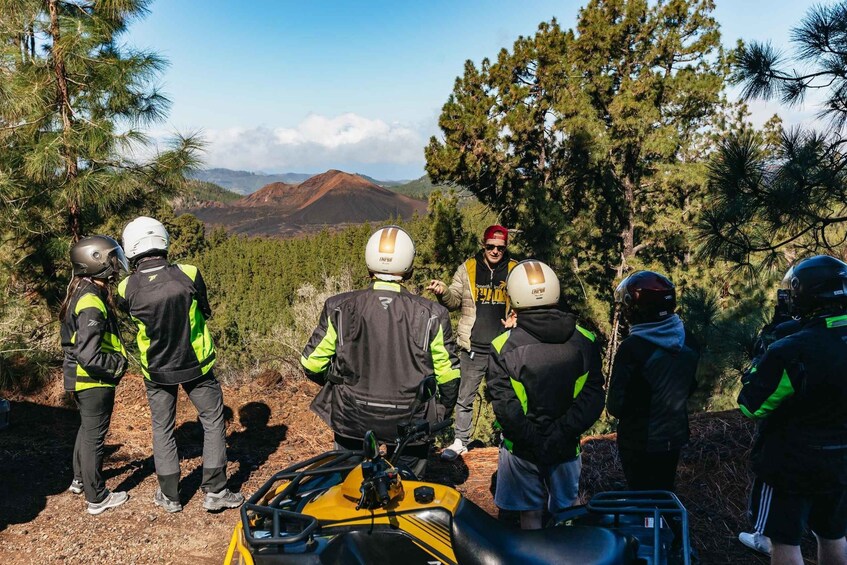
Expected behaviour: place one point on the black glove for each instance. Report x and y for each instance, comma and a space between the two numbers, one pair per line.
122, 367
556, 445
448, 393
317, 378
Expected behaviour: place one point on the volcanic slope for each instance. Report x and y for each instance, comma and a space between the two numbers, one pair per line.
333, 198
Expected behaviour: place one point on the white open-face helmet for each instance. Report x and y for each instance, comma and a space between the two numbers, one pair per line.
390, 253
143, 235
531, 284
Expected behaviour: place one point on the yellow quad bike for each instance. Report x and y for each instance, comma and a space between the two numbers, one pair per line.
357, 507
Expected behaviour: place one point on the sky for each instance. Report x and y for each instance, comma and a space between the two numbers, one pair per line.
306, 86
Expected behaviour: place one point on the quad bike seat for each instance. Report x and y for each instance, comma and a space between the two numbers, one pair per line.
479, 539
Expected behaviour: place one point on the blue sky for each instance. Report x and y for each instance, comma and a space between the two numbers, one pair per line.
305, 86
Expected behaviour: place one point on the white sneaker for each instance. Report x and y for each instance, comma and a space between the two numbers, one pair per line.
112, 500
756, 541
452, 451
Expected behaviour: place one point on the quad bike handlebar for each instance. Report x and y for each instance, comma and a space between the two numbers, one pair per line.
381, 479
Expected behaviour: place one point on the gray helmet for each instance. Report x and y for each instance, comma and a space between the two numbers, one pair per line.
99, 257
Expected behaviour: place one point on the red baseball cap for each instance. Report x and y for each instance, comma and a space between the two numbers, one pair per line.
496, 232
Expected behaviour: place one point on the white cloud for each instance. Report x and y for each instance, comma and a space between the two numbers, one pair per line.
317, 143
805, 114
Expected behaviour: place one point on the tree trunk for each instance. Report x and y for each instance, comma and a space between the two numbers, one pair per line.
628, 229
63, 101
627, 253
612, 348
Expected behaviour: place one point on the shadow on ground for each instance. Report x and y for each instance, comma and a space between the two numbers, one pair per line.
36, 452
35, 459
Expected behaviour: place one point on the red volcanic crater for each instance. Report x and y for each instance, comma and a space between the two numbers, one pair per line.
332, 198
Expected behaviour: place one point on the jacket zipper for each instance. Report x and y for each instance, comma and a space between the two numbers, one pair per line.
425, 344
340, 329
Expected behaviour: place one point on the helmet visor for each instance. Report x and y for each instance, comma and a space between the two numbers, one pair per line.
620, 291
118, 262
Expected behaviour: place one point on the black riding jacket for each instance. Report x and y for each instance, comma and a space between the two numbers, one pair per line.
94, 355
371, 350
798, 392
546, 385
649, 390
169, 305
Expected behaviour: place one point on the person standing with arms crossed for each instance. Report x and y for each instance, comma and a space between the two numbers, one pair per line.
169, 305
94, 361
479, 289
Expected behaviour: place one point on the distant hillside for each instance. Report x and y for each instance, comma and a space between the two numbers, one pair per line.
202, 193
245, 182
388, 183
333, 198
420, 188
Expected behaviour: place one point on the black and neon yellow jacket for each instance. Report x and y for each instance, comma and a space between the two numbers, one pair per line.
546, 385
93, 353
371, 350
798, 391
169, 305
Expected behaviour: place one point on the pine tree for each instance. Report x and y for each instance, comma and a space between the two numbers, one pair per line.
777, 197
591, 141
73, 100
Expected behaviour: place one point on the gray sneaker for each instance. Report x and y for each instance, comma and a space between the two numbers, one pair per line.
76, 487
169, 505
217, 501
112, 500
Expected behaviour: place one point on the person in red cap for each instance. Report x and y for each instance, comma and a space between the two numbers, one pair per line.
479, 289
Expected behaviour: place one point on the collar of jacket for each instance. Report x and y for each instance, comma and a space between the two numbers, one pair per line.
385, 285
90, 287
146, 263
547, 325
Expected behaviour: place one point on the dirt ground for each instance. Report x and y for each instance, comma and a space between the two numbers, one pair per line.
40, 522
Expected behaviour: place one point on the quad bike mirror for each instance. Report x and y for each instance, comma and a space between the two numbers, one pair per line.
370, 446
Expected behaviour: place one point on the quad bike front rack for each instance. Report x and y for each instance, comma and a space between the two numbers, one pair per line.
655, 504
288, 526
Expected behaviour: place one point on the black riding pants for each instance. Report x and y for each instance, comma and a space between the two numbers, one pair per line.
95, 412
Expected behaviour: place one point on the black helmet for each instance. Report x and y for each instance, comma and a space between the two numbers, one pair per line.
99, 257
646, 296
816, 283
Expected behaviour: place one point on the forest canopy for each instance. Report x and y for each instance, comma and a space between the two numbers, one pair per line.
607, 147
